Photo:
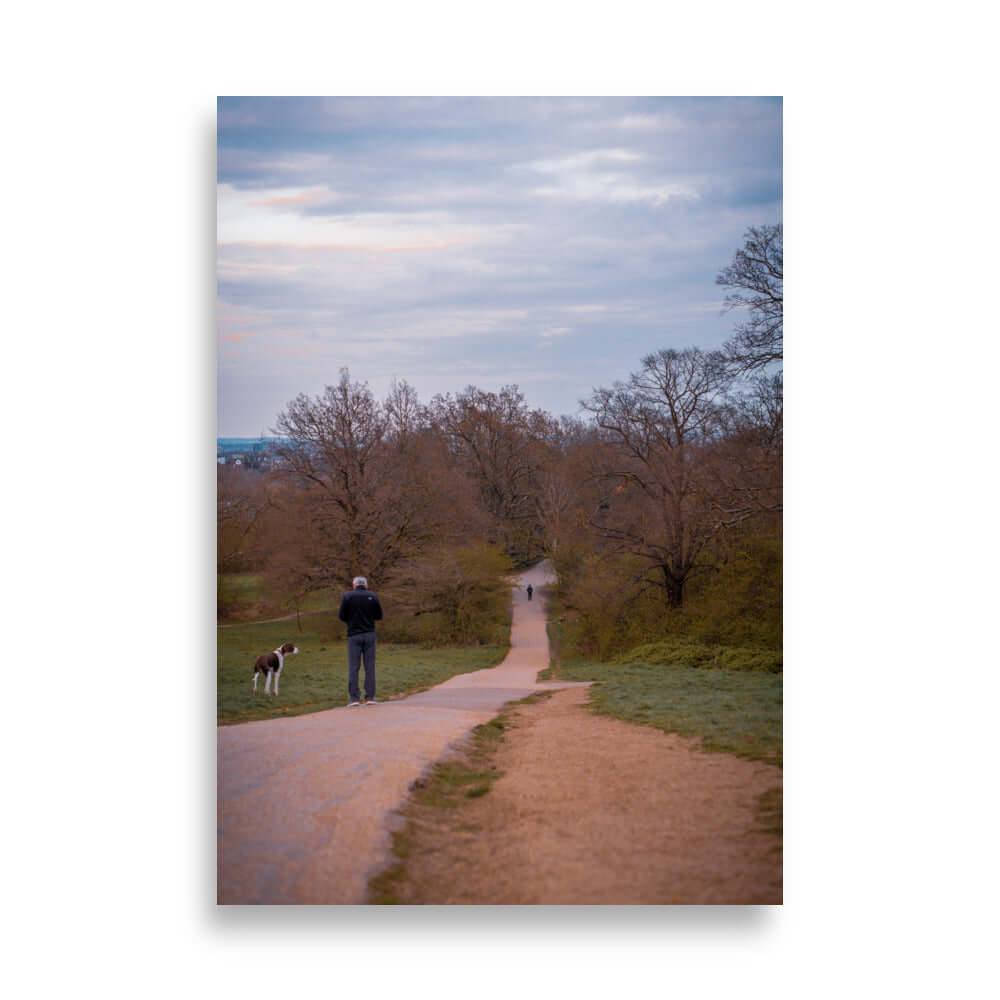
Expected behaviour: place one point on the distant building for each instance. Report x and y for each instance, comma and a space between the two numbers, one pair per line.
249, 453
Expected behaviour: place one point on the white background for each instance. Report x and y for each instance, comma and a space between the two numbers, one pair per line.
109, 412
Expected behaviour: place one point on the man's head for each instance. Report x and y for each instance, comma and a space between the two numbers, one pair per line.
359, 581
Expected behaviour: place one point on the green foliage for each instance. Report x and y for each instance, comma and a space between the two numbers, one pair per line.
316, 677
740, 603
454, 595
596, 597
473, 593
607, 610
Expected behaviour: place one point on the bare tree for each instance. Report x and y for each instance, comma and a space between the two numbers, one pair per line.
242, 506
755, 275
746, 466
405, 417
661, 427
555, 499
562, 495
361, 504
502, 446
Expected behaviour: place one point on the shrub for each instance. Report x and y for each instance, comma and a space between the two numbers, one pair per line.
688, 653
606, 613
452, 595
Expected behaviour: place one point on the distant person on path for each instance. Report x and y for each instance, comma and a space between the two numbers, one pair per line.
531, 590
360, 609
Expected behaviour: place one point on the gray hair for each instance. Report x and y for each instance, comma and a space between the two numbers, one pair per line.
359, 581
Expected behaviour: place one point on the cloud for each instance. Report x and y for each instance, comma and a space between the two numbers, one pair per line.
277, 222
586, 176
644, 123
279, 201
615, 189
584, 161
340, 247
441, 239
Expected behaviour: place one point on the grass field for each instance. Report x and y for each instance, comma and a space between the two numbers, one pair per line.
316, 678
242, 597
731, 711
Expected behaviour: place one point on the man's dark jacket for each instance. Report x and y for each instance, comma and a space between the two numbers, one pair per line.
360, 609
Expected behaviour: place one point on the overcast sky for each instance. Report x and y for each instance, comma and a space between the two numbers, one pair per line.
548, 242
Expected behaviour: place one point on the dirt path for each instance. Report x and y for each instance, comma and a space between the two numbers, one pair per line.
304, 804
590, 809
595, 810
260, 621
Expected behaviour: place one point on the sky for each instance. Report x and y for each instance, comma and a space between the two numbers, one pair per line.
545, 242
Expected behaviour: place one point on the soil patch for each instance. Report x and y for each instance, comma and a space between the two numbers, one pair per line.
590, 810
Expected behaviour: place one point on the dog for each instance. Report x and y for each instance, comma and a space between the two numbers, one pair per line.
271, 664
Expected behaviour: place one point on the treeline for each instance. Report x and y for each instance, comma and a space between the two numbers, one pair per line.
661, 507
436, 504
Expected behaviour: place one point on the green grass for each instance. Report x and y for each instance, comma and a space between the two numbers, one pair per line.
683, 652
241, 588
737, 711
243, 598
316, 678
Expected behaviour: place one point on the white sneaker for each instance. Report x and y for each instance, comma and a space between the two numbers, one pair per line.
353, 704
370, 701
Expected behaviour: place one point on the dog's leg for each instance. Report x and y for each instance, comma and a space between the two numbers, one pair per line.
256, 674
267, 683
276, 676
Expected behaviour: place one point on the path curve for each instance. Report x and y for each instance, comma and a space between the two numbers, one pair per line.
263, 621
305, 804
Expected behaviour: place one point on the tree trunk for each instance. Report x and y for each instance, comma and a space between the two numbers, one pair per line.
675, 589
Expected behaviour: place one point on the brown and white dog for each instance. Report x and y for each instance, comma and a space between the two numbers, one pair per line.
271, 664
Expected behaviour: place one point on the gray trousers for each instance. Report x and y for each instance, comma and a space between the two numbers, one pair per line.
358, 646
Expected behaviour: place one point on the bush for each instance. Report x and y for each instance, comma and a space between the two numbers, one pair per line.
595, 594
738, 604
457, 595
687, 653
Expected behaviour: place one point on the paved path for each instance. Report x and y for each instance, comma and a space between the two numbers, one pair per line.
305, 803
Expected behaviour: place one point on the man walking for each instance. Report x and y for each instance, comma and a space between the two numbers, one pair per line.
360, 609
